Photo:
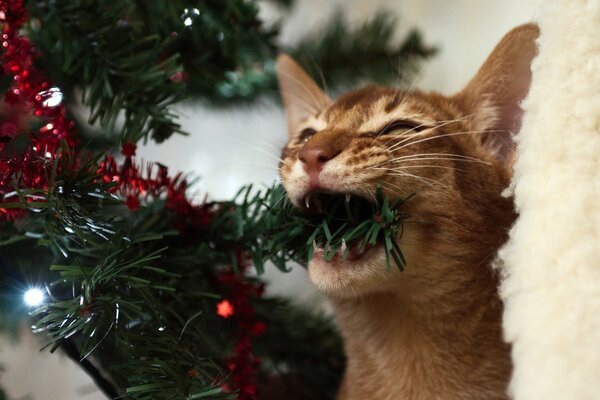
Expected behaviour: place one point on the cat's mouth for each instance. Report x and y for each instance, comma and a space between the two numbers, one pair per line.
337, 206
340, 211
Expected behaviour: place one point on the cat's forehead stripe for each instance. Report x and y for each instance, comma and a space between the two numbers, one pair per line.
372, 108
381, 118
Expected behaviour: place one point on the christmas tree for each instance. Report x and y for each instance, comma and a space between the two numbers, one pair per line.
149, 291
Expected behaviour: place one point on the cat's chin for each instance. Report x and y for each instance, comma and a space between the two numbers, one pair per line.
351, 277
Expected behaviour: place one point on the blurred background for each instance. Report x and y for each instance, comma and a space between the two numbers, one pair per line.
230, 147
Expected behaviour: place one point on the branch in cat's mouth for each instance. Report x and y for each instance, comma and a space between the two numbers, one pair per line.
335, 224
337, 206
348, 225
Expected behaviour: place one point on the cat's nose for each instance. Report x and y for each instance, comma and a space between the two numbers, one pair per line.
315, 156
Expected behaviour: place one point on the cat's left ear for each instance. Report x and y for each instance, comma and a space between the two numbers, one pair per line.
494, 95
302, 97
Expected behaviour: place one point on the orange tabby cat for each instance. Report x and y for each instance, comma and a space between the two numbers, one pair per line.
434, 330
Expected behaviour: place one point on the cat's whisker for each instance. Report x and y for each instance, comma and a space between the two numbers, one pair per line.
447, 156
267, 153
427, 181
395, 146
277, 202
259, 149
400, 168
396, 192
321, 74
436, 124
276, 147
413, 85
373, 196
439, 124
423, 159
429, 156
389, 124
255, 165
306, 91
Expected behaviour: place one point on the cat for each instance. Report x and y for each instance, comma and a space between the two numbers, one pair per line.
434, 330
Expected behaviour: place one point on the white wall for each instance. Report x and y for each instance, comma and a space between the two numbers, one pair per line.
229, 148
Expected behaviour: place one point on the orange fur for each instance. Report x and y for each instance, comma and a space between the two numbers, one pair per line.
434, 330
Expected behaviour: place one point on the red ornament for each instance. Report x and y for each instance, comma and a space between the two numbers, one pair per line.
225, 309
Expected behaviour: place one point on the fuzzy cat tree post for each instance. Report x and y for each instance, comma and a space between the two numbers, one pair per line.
552, 261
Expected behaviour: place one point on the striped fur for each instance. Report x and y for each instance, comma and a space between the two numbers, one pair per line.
433, 331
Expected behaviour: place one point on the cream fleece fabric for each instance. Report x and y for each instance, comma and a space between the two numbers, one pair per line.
552, 261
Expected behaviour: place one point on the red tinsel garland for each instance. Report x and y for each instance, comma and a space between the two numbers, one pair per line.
31, 94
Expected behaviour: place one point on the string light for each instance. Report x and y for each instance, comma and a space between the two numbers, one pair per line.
33, 297
189, 15
52, 97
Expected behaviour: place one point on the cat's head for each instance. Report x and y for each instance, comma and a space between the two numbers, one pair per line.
452, 152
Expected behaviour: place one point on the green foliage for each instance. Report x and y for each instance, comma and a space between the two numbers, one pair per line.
116, 287
339, 53
125, 57
134, 60
128, 289
141, 297
303, 342
272, 229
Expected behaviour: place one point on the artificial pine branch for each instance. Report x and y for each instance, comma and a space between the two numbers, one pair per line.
123, 283
271, 229
305, 344
340, 53
133, 58
137, 286
137, 59
105, 385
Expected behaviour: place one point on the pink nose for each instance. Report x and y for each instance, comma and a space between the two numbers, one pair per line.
315, 156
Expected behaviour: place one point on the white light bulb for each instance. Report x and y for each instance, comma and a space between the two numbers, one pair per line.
33, 297
52, 97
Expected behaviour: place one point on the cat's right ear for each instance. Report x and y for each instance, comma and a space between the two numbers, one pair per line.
494, 95
302, 97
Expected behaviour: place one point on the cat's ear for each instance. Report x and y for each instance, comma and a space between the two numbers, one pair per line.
302, 97
494, 95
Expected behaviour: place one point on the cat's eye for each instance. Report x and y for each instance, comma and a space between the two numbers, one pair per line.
402, 126
306, 134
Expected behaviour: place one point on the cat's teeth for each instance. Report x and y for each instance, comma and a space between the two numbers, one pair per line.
315, 247
344, 246
307, 200
348, 196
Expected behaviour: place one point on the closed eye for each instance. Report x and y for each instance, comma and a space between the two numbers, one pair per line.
306, 134
403, 125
